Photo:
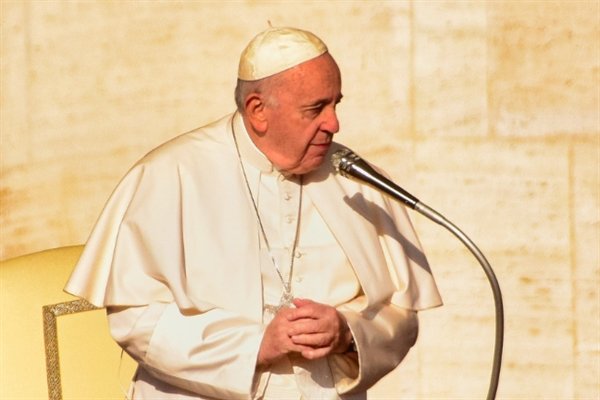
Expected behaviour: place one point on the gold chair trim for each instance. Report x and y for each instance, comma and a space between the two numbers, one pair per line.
50, 313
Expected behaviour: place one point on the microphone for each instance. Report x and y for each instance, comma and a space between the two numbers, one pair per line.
350, 165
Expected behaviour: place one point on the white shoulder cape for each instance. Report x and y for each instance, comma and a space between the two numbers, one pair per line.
180, 228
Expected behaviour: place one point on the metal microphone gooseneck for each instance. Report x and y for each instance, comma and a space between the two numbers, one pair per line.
350, 165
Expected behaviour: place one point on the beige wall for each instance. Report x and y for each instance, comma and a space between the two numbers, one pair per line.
488, 111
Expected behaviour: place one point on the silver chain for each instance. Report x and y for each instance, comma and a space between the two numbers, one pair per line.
287, 297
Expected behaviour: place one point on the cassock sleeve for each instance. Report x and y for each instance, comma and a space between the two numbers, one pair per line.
212, 354
383, 335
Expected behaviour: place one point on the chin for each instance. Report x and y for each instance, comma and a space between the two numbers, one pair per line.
310, 166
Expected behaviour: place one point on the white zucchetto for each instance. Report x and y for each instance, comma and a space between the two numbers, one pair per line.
277, 49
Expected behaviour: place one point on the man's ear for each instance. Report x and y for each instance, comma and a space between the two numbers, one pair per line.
255, 113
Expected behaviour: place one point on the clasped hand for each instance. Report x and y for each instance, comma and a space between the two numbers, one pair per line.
312, 329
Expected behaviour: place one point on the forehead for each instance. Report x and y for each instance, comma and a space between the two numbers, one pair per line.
314, 78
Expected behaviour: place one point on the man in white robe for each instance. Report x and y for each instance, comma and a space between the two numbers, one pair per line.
236, 264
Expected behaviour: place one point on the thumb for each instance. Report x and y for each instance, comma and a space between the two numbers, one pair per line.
302, 302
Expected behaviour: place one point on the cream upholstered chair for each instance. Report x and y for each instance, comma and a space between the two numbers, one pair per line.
39, 322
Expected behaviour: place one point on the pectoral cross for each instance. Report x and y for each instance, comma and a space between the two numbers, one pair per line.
286, 300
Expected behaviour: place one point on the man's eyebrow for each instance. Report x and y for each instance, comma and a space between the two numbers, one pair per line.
321, 101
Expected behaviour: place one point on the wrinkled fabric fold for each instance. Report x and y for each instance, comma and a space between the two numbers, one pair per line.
179, 229
163, 242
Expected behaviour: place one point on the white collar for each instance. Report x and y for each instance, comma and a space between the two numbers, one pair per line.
248, 150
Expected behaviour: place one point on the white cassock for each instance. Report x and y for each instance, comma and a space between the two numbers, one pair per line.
179, 257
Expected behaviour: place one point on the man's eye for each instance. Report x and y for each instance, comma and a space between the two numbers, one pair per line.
315, 110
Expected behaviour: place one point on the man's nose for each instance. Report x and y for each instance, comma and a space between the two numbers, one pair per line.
330, 123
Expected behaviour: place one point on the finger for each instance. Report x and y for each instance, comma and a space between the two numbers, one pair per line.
306, 326
278, 332
308, 310
314, 340
328, 322
292, 347
314, 354
276, 344
302, 302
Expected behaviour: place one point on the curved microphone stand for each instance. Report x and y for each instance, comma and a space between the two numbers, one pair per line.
439, 219
350, 165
